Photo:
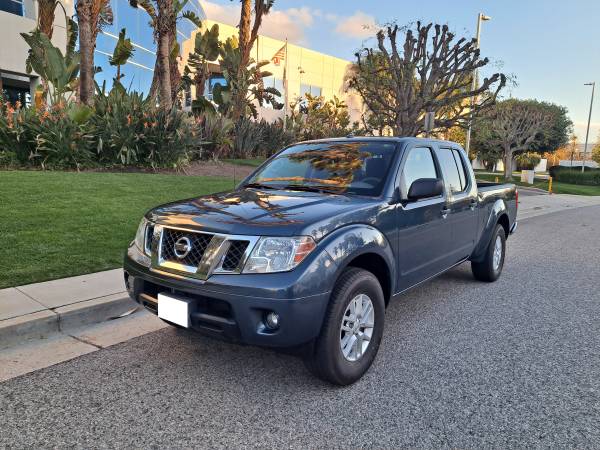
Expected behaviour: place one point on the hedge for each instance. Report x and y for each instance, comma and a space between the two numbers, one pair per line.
573, 175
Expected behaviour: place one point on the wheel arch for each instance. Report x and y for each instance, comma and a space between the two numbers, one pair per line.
364, 247
498, 214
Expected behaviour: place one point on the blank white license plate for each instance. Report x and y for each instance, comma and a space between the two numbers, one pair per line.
174, 309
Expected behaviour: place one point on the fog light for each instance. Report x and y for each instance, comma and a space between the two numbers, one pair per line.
272, 320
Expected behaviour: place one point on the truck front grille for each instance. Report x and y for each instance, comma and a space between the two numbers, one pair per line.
234, 255
198, 243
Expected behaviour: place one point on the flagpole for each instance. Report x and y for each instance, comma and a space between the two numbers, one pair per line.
285, 86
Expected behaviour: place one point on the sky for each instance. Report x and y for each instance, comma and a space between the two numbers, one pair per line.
551, 47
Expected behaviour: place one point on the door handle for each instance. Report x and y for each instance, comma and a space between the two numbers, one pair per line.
445, 211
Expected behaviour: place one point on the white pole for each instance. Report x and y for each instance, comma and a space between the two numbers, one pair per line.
480, 18
285, 86
587, 133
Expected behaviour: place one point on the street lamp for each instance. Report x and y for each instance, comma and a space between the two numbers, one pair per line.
587, 133
480, 18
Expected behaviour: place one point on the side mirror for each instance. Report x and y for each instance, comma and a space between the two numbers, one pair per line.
425, 188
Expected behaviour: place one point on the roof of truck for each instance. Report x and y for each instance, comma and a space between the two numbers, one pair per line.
399, 139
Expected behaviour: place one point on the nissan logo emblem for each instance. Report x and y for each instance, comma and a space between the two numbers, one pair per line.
182, 247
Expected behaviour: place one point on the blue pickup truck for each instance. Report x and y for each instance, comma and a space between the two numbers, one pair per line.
307, 251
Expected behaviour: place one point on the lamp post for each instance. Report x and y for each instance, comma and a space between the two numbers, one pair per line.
587, 133
480, 18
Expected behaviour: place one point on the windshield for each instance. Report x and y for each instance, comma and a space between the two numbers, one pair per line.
341, 167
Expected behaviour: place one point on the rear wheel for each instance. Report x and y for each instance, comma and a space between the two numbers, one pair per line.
491, 267
352, 329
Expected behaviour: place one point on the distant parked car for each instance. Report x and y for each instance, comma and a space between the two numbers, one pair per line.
308, 251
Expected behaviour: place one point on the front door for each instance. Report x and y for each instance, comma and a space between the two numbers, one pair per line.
423, 232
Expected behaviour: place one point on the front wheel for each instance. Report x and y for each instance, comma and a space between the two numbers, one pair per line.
491, 267
352, 329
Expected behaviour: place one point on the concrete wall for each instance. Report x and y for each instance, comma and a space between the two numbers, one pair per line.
13, 49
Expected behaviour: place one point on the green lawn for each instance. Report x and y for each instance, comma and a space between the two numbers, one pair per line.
59, 224
557, 187
253, 162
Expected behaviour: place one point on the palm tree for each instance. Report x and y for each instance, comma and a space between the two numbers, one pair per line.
92, 15
46, 10
247, 36
163, 20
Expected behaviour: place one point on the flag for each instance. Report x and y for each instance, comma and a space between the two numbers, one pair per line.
279, 56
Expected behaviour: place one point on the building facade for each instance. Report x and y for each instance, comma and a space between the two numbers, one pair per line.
20, 16
308, 71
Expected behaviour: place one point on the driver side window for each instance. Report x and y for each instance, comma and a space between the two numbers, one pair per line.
419, 164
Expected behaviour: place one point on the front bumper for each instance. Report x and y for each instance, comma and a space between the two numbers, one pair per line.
234, 307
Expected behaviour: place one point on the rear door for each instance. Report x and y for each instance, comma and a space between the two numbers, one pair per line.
423, 231
461, 196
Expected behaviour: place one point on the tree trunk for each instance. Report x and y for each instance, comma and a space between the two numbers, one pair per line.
245, 19
86, 49
46, 10
174, 73
155, 80
165, 11
508, 166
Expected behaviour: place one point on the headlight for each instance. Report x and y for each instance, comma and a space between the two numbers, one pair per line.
278, 254
143, 236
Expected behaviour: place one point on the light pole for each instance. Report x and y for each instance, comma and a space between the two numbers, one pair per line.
480, 18
587, 133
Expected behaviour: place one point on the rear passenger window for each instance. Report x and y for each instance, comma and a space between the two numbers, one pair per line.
461, 169
419, 164
451, 171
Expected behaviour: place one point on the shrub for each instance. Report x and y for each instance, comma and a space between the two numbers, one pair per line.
216, 133
53, 137
274, 137
591, 177
248, 136
527, 161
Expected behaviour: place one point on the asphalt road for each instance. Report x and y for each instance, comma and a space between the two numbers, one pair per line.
462, 364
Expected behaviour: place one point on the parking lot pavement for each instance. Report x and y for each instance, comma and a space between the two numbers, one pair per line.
463, 364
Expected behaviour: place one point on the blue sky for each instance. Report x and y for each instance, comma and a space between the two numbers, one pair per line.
552, 47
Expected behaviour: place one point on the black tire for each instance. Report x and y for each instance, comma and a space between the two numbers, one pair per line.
326, 359
484, 270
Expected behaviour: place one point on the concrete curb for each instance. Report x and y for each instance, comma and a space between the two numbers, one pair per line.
41, 324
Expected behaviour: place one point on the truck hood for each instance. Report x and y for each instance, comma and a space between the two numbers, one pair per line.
267, 212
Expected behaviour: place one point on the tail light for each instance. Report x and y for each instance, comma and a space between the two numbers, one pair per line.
517, 197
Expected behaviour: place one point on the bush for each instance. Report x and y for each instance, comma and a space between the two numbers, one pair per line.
123, 129
53, 138
527, 161
591, 177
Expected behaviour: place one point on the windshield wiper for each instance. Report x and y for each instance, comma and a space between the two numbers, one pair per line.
308, 188
260, 186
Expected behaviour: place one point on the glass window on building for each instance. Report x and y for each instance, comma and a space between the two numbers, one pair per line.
12, 6
304, 89
315, 91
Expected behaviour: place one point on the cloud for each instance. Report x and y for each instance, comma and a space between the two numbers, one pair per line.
279, 24
358, 25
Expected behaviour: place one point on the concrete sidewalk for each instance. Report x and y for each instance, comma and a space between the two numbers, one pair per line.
41, 309
538, 205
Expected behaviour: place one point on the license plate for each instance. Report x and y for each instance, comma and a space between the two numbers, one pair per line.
174, 309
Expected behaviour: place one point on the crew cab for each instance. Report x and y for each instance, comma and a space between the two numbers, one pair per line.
309, 249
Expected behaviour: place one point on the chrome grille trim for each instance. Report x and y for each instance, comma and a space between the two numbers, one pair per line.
212, 259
